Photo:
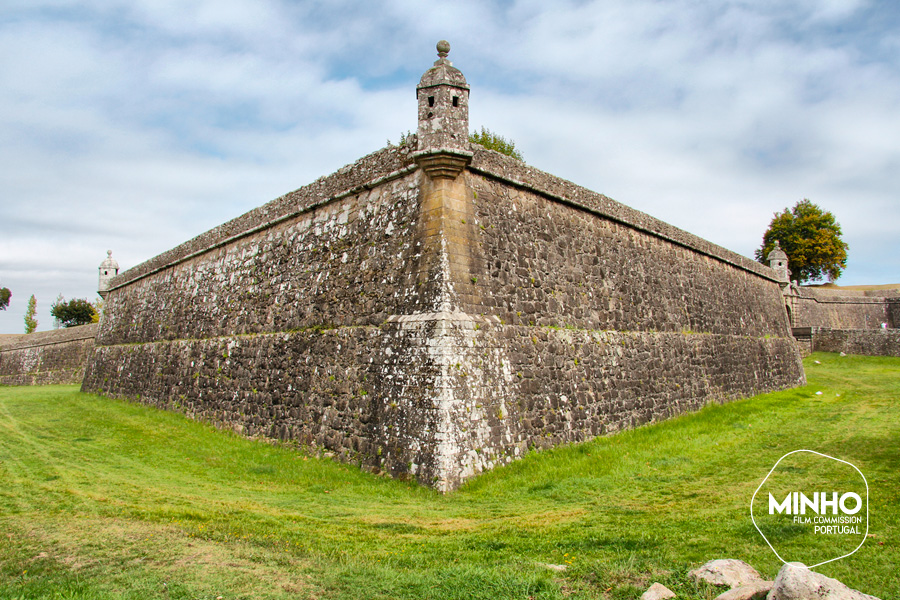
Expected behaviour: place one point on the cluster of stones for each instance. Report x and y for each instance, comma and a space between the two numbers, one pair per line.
793, 582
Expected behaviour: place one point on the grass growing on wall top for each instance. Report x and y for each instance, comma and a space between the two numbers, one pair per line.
105, 499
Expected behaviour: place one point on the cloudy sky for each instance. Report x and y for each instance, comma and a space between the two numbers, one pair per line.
134, 125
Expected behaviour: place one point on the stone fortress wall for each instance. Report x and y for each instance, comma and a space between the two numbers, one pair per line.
437, 309
49, 357
843, 308
869, 342
844, 320
353, 316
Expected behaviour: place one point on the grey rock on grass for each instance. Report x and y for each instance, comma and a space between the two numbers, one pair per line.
751, 591
726, 572
657, 591
796, 582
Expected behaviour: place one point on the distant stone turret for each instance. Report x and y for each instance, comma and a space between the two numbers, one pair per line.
443, 133
109, 268
778, 261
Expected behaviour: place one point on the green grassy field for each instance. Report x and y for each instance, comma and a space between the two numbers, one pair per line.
107, 499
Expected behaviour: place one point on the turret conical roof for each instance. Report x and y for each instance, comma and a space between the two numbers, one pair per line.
443, 72
109, 263
777, 253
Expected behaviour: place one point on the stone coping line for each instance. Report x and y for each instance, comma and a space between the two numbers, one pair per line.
395, 162
825, 292
836, 299
50, 338
497, 166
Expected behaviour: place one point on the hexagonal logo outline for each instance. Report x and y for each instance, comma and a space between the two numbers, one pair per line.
866, 481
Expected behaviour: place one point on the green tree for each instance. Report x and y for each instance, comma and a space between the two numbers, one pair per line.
492, 141
76, 311
811, 238
31, 322
5, 295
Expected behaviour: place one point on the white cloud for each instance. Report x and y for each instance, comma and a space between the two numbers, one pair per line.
834, 10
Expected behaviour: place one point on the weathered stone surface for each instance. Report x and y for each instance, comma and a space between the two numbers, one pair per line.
751, 591
726, 572
351, 262
48, 357
658, 591
556, 264
796, 582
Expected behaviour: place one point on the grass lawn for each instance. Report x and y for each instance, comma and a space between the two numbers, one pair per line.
107, 499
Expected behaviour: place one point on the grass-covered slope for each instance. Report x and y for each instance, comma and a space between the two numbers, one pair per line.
105, 499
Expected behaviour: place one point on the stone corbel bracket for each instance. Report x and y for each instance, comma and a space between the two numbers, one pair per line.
443, 163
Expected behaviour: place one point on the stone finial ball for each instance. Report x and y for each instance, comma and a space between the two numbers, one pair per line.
443, 48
